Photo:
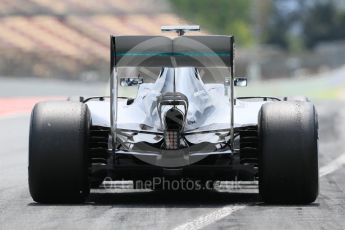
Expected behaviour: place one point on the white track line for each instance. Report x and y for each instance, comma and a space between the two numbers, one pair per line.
221, 213
210, 218
332, 166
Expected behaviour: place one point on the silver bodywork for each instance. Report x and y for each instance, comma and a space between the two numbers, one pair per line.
209, 107
210, 117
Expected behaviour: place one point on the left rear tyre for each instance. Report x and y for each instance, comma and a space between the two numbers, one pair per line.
58, 161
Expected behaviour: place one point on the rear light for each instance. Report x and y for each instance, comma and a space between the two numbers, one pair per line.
172, 139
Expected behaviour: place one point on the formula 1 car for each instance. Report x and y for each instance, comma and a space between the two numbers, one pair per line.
183, 123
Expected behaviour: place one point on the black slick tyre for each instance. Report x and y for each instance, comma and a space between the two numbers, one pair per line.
288, 156
58, 159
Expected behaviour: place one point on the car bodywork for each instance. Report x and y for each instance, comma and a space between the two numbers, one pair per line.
218, 131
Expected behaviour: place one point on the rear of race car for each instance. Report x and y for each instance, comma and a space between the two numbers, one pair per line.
177, 128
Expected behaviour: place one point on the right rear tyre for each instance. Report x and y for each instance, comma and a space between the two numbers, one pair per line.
288, 158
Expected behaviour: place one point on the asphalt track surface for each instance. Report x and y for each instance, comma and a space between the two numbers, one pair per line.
122, 208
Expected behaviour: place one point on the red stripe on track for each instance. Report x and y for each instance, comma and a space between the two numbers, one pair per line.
19, 105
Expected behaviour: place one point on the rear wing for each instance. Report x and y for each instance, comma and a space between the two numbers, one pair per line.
160, 51
182, 51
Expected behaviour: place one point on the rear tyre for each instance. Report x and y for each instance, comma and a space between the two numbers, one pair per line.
58, 161
288, 158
